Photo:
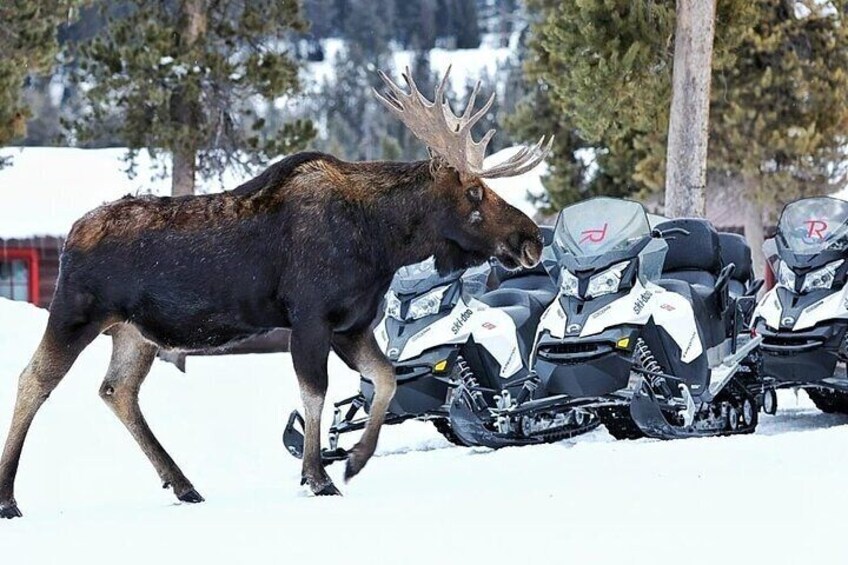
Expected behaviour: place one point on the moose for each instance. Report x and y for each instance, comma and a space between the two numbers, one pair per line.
310, 244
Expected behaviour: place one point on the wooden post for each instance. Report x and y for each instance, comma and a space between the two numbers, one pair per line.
688, 129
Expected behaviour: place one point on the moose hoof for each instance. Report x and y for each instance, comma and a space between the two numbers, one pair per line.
9, 510
355, 464
324, 487
327, 490
191, 496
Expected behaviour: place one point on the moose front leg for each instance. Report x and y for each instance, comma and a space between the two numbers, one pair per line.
310, 347
360, 350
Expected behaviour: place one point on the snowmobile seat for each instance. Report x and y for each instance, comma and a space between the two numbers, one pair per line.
540, 286
734, 249
694, 258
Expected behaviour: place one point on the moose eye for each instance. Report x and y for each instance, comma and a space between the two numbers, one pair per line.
475, 193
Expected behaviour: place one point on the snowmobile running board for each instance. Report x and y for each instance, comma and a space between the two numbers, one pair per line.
730, 365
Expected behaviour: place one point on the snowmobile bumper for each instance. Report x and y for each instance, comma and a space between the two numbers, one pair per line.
586, 367
423, 384
808, 357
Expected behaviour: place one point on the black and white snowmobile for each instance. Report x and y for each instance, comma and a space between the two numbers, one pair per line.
644, 328
440, 331
803, 319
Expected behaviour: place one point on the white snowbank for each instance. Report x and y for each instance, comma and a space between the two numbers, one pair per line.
47, 189
90, 496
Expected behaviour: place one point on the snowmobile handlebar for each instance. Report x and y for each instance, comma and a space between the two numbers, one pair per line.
663, 234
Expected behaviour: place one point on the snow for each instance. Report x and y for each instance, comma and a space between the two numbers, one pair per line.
46, 189
89, 495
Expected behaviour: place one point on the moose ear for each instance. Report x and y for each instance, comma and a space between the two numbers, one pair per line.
439, 168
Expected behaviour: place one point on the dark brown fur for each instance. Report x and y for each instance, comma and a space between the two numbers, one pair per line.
310, 244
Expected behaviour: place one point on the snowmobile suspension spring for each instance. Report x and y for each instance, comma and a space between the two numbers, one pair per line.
649, 363
466, 375
646, 357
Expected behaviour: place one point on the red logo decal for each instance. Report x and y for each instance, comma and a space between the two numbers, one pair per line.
594, 235
667, 307
489, 325
816, 228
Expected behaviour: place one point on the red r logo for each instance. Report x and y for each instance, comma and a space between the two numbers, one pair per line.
817, 228
594, 236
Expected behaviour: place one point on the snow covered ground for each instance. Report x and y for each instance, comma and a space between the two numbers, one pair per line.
90, 496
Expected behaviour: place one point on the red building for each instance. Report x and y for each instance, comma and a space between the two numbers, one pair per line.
29, 268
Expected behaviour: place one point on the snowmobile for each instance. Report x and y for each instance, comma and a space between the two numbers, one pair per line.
474, 327
644, 330
803, 319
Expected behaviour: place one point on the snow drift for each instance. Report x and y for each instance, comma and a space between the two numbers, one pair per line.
89, 495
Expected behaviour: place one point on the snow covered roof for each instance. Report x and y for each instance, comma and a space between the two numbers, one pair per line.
46, 189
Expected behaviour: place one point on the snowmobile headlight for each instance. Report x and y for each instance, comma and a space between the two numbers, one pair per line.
785, 276
607, 281
427, 304
821, 279
568, 283
393, 305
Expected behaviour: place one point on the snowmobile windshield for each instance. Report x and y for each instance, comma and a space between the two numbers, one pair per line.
814, 225
420, 277
601, 225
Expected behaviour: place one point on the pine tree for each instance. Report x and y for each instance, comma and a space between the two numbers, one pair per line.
179, 75
784, 102
28, 45
608, 64
780, 80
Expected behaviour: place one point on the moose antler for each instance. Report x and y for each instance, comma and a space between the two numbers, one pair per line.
449, 135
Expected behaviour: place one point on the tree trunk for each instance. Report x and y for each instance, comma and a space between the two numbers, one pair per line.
754, 229
184, 111
182, 172
688, 128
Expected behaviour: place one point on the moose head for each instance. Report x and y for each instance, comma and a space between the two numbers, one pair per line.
475, 221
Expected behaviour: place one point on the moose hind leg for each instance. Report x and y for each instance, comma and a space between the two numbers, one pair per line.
49, 364
132, 357
361, 350
310, 347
